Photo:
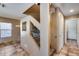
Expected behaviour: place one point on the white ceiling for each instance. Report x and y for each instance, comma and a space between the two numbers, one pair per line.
66, 7
14, 10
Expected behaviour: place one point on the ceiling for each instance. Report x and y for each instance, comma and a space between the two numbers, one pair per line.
66, 7
14, 10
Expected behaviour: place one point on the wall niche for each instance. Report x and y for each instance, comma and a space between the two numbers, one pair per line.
35, 33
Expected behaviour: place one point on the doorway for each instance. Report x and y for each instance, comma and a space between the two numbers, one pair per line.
71, 32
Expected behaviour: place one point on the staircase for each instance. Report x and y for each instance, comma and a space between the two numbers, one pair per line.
34, 21
34, 15
34, 11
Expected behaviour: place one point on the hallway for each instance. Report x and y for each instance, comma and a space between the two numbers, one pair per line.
70, 49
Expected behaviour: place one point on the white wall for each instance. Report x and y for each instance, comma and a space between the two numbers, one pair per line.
60, 26
35, 22
27, 42
44, 29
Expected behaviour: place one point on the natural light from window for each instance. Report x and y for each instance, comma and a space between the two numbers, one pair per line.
5, 30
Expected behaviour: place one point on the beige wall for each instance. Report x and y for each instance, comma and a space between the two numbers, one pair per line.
57, 30
71, 17
53, 29
15, 30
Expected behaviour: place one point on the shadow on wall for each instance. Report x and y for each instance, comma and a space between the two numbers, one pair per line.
35, 33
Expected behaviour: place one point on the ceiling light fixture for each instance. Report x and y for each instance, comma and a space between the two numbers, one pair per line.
71, 10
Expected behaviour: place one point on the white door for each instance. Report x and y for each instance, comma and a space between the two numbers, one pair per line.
71, 29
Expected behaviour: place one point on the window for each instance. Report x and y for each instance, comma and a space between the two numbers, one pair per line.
5, 30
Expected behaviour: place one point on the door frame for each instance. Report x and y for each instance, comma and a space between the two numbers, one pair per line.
66, 29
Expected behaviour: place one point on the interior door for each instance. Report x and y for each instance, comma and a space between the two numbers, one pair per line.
71, 29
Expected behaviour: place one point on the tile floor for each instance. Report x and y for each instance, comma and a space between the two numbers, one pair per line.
70, 49
13, 50
72, 42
